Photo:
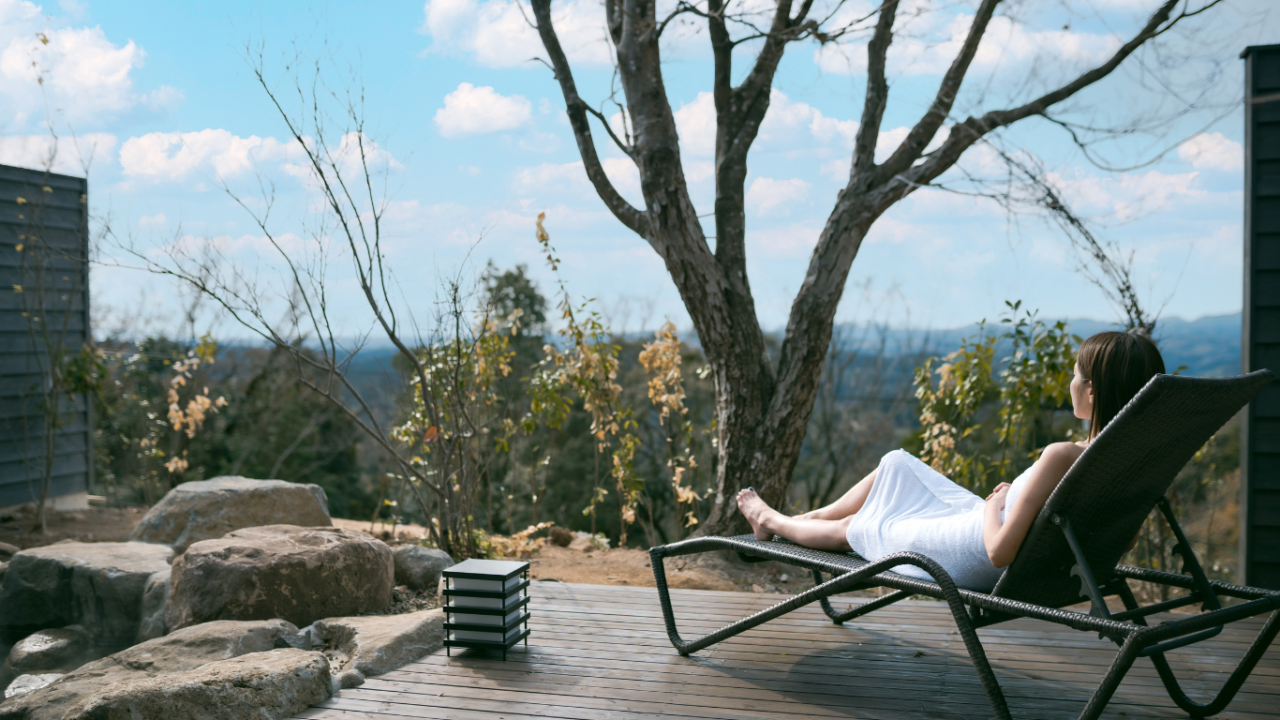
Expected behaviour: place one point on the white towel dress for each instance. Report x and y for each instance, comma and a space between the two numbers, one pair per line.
913, 507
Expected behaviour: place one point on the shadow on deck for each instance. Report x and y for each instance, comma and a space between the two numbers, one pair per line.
600, 651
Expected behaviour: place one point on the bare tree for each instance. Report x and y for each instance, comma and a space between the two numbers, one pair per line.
440, 463
763, 407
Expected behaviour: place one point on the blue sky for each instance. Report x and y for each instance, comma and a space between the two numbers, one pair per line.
472, 137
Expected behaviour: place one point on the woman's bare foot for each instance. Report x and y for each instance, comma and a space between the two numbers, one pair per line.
756, 512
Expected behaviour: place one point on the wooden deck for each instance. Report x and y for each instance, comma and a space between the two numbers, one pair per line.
601, 651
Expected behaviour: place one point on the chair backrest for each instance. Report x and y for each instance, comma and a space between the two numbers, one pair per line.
1117, 481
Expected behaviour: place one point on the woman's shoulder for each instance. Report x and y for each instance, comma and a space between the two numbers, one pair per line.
1062, 454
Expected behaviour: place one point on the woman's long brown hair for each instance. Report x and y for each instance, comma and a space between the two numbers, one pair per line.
1117, 365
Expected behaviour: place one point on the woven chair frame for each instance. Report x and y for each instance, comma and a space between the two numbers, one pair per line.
1060, 557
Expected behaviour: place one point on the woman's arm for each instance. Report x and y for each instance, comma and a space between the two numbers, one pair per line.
1003, 540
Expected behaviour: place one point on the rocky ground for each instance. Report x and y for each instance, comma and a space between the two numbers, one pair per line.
120, 613
616, 566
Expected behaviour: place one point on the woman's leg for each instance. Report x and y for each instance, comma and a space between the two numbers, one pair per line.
813, 533
848, 504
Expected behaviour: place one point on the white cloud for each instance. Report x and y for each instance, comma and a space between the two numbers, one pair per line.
787, 117
554, 180
174, 156
699, 170
776, 197
552, 177
1213, 151
625, 177
787, 240
786, 121
1006, 43
1128, 196
68, 155
472, 110
86, 77
355, 152
152, 221
498, 34
696, 125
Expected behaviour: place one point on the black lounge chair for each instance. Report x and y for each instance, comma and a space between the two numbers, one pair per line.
1070, 552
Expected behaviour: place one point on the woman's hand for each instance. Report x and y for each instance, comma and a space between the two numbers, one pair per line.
999, 497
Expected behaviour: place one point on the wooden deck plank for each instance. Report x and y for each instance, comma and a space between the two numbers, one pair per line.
602, 652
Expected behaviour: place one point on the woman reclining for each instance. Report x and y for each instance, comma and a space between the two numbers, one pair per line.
905, 505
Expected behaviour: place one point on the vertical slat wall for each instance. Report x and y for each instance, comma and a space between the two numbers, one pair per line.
50, 222
1260, 452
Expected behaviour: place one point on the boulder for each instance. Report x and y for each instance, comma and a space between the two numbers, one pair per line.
97, 585
274, 684
60, 650
372, 645
418, 567
154, 596
7, 551
4, 567
24, 684
209, 509
280, 571
179, 652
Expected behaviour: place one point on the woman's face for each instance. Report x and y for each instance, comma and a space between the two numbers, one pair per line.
1081, 395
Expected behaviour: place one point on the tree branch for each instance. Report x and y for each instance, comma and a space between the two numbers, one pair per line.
864, 147
965, 134
577, 111
922, 134
625, 148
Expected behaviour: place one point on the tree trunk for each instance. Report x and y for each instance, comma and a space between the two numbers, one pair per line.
762, 412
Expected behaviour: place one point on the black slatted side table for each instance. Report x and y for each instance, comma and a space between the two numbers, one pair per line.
486, 605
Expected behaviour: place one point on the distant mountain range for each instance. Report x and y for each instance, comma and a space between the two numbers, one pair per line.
1207, 347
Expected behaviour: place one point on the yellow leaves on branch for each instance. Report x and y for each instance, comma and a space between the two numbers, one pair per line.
177, 464
661, 359
192, 418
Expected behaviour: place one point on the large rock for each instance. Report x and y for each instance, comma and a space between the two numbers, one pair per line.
419, 567
179, 652
209, 509
154, 596
47, 651
280, 571
372, 645
24, 684
273, 684
7, 551
97, 585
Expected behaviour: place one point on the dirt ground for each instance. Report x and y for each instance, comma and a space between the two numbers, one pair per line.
97, 524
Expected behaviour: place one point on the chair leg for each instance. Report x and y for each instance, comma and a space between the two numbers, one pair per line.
834, 586
1119, 668
964, 623
841, 618
1233, 683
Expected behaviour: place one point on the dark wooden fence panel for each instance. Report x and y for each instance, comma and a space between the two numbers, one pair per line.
1260, 451
44, 306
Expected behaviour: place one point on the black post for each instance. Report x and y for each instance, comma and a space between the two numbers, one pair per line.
1260, 346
